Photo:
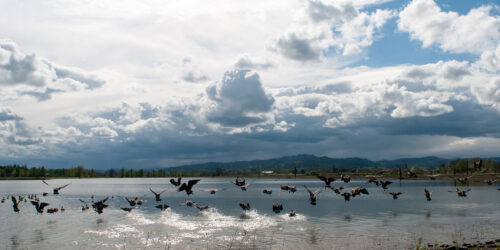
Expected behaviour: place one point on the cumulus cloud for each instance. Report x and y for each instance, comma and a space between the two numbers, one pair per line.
474, 32
331, 24
245, 61
191, 73
14, 130
239, 99
39, 77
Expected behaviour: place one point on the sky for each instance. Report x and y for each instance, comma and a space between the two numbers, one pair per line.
146, 84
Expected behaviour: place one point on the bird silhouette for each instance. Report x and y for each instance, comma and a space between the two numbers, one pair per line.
56, 189
337, 190
176, 183
345, 178
98, 206
384, 184
460, 193
427, 194
133, 202
15, 204
240, 181
277, 208
395, 194
245, 206
188, 187
313, 195
157, 195
326, 180
39, 206
292, 213
358, 191
347, 196
267, 191
162, 206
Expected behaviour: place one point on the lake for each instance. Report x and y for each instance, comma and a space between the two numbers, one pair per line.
374, 221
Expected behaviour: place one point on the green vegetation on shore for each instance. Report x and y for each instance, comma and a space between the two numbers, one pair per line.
299, 169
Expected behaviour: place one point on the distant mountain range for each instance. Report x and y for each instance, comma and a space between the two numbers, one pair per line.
314, 162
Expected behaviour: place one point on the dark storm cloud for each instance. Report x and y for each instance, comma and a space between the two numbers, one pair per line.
239, 99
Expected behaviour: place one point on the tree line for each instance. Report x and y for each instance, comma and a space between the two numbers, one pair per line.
472, 165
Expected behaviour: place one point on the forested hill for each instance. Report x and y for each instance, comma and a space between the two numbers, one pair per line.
314, 162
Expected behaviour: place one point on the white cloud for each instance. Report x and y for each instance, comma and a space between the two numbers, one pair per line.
331, 24
474, 32
38, 77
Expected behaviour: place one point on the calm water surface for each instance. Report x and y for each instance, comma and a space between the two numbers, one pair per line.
375, 221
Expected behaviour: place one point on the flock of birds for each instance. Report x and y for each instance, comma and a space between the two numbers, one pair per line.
240, 182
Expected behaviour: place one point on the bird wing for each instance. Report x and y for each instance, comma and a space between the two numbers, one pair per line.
322, 178
319, 190
43, 205
191, 183
104, 200
182, 187
61, 187
83, 201
156, 194
46, 183
35, 203
14, 200
162, 192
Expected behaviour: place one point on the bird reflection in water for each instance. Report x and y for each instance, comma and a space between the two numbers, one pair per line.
348, 218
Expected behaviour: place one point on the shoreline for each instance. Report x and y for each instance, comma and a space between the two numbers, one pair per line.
474, 178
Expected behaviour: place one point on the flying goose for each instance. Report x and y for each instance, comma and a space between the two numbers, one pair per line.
39, 206
245, 206
358, 190
345, 178
240, 181
55, 189
176, 183
427, 194
461, 193
188, 187
384, 184
292, 213
99, 206
372, 179
15, 204
162, 206
347, 196
326, 180
157, 195
133, 202
395, 194
312, 195
277, 208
